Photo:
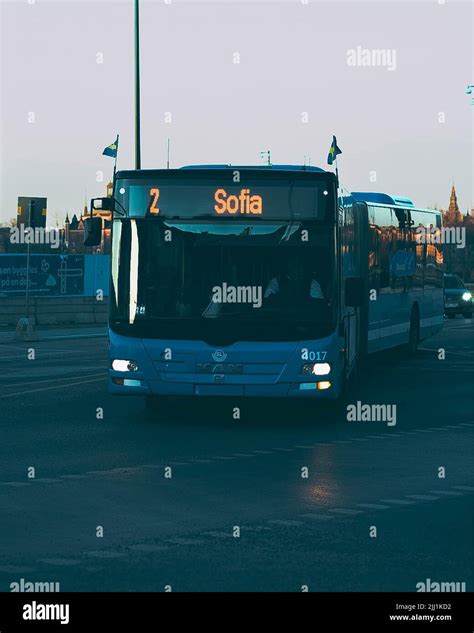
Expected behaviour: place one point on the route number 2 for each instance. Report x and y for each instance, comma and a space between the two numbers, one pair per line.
155, 193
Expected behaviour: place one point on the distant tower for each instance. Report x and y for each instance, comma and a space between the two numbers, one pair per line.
453, 215
110, 189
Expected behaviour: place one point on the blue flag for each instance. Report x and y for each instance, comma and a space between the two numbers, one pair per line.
111, 150
333, 151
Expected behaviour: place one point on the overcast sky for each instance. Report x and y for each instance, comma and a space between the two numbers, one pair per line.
293, 59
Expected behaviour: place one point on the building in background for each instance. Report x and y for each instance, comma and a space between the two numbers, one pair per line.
459, 260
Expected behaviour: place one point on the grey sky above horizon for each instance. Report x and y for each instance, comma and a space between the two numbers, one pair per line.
293, 60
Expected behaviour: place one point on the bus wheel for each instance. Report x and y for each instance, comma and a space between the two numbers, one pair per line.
414, 335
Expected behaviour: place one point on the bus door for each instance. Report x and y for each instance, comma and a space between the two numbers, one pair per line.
361, 234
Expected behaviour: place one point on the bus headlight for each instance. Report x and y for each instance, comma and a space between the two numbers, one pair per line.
467, 296
316, 369
124, 365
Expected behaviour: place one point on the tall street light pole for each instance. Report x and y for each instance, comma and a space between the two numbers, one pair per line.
138, 159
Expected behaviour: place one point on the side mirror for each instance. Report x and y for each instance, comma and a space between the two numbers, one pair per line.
102, 204
354, 292
92, 231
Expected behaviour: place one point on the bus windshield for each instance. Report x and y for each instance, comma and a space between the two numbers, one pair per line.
223, 282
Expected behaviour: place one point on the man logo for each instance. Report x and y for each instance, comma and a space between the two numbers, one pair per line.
219, 356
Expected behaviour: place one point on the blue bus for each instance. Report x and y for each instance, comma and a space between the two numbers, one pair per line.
261, 281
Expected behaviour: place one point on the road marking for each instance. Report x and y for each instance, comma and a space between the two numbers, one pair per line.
147, 547
287, 450
373, 506
317, 517
257, 528
360, 439
344, 511
423, 497
447, 493
153, 466
35, 382
185, 541
66, 384
15, 484
398, 502
469, 488
285, 522
263, 452
217, 457
342, 441
219, 534
242, 455
73, 476
47, 480
59, 562
201, 461
301, 446
125, 470
104, 554
16, 569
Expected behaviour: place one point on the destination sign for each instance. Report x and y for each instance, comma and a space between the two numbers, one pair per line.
279, 200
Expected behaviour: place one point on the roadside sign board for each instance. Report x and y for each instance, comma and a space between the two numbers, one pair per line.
37, 211
50, 275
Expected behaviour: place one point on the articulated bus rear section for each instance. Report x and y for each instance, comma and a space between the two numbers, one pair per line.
404, 272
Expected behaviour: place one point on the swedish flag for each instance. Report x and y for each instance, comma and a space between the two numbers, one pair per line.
333, 151
111, 150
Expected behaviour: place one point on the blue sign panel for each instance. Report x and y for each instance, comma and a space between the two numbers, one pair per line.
403, 264
50, 275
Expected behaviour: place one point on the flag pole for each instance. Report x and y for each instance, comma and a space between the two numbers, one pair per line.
115, 161
138, 160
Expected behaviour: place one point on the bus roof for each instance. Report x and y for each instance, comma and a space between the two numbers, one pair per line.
381, 198
264, 167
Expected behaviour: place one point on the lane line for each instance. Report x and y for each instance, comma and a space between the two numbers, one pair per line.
317, 517
219, 534
104, 554
59, 562
398, 502
447, 493
69, 384
147, 547
286, 522
35, 382
372, 506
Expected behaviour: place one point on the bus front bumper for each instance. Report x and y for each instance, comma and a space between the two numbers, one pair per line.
118, 385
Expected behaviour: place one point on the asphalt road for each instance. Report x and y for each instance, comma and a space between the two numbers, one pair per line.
227, 473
